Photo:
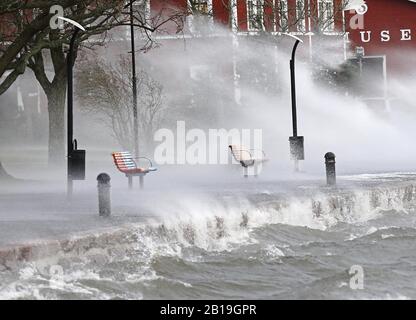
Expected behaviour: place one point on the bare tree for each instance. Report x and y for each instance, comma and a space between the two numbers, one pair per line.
104, 90
31, 42
279, 15
300, 16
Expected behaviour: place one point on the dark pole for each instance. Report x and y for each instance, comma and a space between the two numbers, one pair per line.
104, 199
293, 89
296, 143
134, 83
331, 176
70, 133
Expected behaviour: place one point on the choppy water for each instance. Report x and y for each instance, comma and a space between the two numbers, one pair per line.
243, 247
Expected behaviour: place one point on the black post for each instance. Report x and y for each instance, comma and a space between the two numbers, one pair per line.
134, 83
104, 199
331, 177
70, 98
293, 89
296, 143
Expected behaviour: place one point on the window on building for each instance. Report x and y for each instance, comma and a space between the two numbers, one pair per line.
255, 14
201, 20
283, 16
200, 7
140, 11
326, 15
300, 15
140, 8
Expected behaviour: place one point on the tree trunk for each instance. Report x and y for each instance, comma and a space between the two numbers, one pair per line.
56, 110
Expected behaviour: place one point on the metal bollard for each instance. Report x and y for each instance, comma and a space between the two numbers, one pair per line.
331, 177
104, 200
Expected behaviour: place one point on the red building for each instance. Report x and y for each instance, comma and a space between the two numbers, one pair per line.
388, 26
386, 32
255, 15
382, 33
389, 30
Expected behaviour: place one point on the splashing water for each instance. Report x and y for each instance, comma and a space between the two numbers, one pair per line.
246, 246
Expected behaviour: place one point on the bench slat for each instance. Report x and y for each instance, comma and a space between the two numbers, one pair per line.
240, 153
126, 165
125, 161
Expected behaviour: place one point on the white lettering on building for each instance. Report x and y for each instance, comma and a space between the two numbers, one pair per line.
363, 37
386, 35
406, 34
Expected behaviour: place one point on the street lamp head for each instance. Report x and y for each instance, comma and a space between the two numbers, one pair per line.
294, 37
74, 23
358, 5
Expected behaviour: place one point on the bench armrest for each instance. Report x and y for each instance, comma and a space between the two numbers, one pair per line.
150, 161
263, 153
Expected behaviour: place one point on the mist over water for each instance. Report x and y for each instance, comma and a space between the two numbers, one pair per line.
364, 139
205, 232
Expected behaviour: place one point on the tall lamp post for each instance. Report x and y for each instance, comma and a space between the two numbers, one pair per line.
297, 151
134, 82
75, 157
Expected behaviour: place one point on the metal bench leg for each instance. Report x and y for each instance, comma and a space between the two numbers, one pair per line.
141, 182
130, 182
245, 172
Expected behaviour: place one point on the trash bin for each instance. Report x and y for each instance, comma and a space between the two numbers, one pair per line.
77, 165
297, 151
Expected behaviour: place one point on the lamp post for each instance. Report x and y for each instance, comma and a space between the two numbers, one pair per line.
297, 151
75, 157
134, 83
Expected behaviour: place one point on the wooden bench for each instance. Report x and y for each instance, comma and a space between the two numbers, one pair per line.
125, 163
248, 158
